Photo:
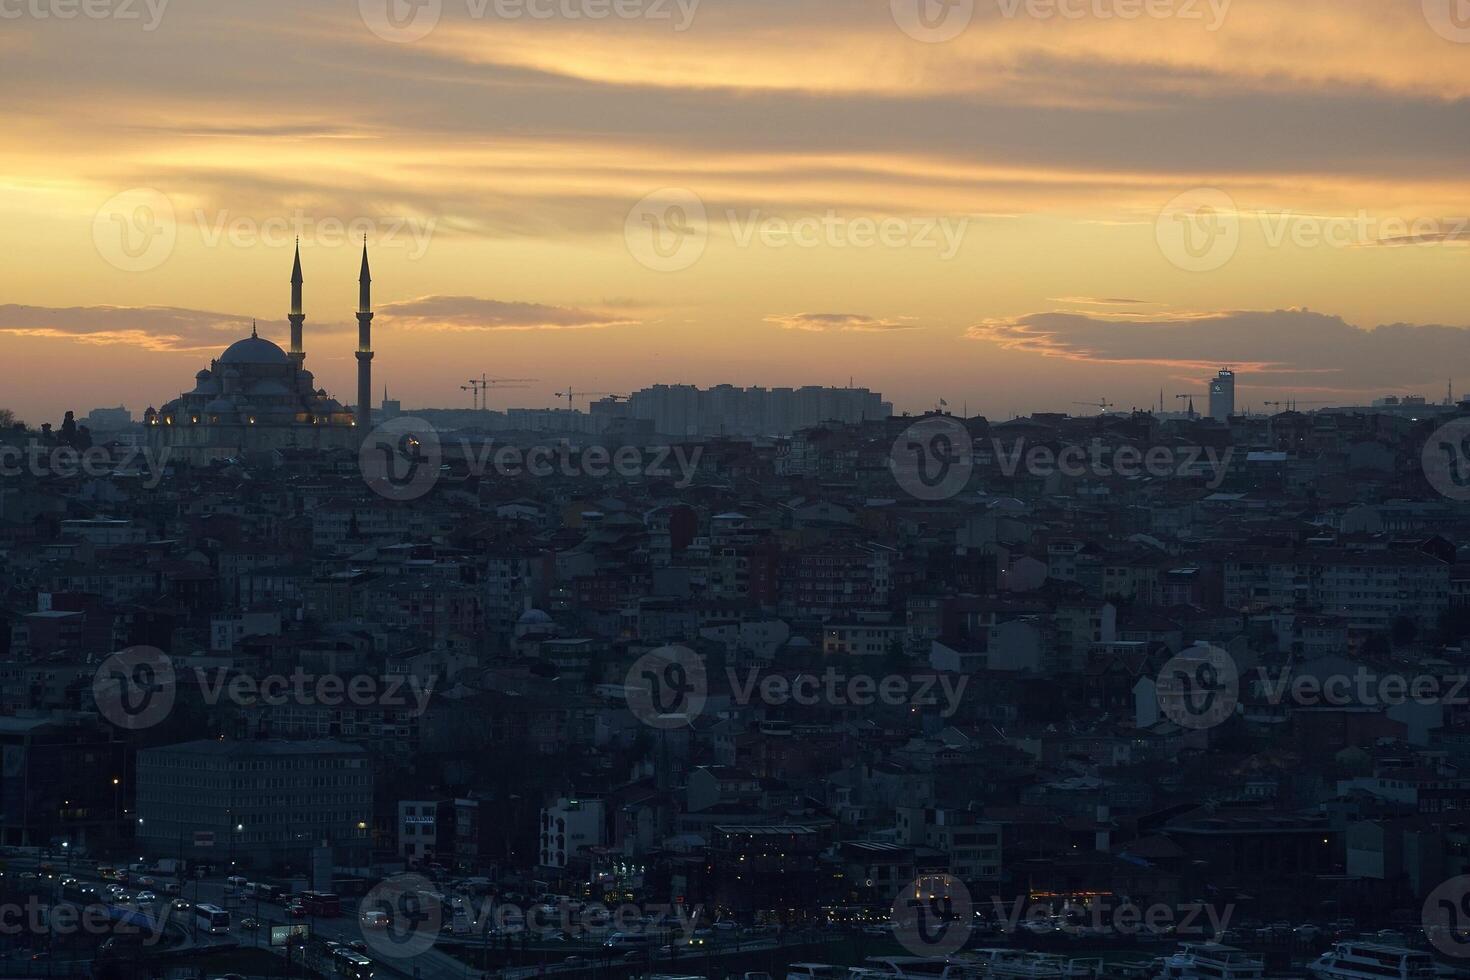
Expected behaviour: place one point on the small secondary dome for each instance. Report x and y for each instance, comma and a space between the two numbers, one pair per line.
253, 350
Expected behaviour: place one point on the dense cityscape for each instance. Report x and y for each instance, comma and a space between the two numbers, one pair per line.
704, 679
734, 490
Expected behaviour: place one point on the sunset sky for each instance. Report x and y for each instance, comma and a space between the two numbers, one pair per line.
997, 202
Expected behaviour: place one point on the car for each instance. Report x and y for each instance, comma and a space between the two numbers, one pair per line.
146, 882
68, 882
633, 956
179, 905
296, 910
235, 881
147, 898
172, 888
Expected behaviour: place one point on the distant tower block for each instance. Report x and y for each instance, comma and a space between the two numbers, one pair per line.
364, 344
1222, 395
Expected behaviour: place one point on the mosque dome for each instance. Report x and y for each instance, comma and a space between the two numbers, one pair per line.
253, 350
535, 617
273, 388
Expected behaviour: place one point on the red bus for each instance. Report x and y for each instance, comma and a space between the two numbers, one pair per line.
321, 904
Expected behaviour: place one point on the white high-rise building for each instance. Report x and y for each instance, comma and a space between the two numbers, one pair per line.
1222, 395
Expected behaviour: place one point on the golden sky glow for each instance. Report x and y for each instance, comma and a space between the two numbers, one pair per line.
993, 218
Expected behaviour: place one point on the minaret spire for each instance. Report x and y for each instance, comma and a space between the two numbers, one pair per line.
297, 318
364, 344
364, 283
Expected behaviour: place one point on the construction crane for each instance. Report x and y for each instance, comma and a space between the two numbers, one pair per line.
1293, 403
1102, 405
570, 395
481, 387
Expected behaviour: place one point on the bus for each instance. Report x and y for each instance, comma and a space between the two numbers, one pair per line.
324, 905
211, 919
351, 965
263, 891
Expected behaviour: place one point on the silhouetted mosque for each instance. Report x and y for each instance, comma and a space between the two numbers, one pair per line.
256, 396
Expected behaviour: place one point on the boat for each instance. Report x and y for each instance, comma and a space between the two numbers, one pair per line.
1016, 964
1073, 968
815, 971
1212, 961
1372, 961
918, 968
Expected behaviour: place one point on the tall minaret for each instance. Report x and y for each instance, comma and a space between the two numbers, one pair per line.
297, 317
364, 344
